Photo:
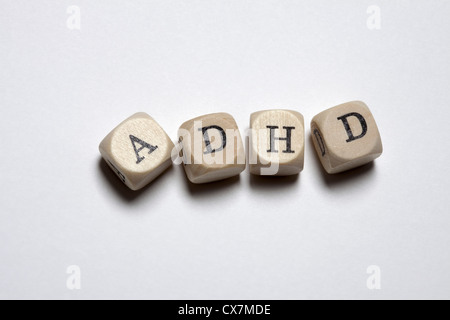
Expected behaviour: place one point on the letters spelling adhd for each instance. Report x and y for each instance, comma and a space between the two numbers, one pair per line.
210, 147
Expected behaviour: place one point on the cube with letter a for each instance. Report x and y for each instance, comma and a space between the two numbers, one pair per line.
138, 150
346, 137
212, 148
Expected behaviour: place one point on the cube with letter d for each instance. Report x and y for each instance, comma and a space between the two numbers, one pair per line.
346, 137
211, 148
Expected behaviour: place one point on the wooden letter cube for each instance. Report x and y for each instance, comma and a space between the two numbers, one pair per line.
346, 137
277, 144
212, 148
138, 150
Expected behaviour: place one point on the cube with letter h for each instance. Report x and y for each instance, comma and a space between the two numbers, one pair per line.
211, 148
346, 137
277, 143
138, 150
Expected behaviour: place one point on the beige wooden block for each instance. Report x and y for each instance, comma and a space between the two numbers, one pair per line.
212, 148
346, 137
138, 150
277, 144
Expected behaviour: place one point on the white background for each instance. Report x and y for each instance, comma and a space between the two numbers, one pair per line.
62, 91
